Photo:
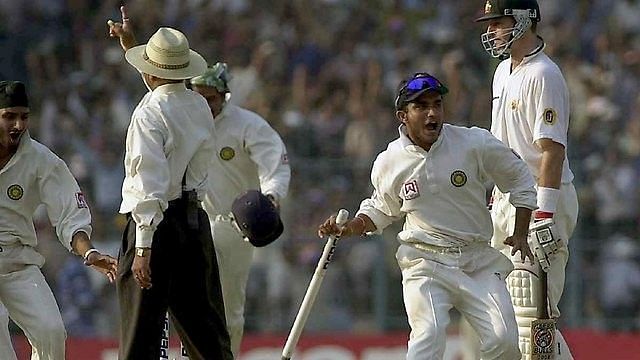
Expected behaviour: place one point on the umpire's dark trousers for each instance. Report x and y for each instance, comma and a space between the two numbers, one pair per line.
184, 275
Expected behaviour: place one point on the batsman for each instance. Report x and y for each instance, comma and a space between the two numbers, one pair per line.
530, 114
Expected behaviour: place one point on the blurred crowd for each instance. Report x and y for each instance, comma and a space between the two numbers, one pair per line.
324, 73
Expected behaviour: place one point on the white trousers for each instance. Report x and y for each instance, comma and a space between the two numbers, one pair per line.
234, 261
31, 305
523, 282
472, 281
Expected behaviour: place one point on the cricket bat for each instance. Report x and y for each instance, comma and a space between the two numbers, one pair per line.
543, 329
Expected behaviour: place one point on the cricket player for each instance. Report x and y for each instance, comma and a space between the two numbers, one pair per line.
530, 114
249, 155
433, 177
31, 175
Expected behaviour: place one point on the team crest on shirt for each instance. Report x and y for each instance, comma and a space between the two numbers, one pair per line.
410, 190
15, 192
458, 178
549, 116
227, 153
80, 201
514, 104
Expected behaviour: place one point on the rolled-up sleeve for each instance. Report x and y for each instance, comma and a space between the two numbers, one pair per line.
150, 175
64, 202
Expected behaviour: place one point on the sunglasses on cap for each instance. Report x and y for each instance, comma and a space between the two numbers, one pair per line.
418, 84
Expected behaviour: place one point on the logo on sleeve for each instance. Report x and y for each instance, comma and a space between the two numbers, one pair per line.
15, 192
80, 201
458, 178
410, 190
285, 159
227, 153
549, 116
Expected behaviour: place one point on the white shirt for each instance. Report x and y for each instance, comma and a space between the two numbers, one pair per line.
34, 176
442, 191
249, 155
170, 128
530, 103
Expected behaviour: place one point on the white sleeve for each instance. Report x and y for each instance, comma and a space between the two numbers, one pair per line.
509, 172
383, 207
150, 175
268, 152
65, 204
551, 107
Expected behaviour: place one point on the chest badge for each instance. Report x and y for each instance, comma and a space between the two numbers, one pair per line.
410, 190
514, 105
15, 192
227, 153
458, 178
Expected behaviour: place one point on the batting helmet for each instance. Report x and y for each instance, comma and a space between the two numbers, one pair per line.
498, 8
257, 218
524, 12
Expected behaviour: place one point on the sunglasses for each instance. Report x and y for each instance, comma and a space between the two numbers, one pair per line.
420, 82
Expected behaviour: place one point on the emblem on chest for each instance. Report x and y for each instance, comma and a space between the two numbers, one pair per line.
410, 190
458, 178
227, 153
15, 192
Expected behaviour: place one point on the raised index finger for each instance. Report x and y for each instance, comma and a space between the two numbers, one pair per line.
123, 11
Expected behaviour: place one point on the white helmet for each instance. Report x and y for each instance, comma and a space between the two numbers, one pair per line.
524, 12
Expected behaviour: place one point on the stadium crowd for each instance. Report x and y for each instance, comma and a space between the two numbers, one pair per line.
323, 73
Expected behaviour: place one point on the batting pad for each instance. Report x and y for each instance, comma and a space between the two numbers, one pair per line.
523, 286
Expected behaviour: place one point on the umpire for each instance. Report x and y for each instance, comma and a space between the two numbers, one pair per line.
167, 260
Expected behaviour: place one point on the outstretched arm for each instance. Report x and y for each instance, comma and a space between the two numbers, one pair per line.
105, 264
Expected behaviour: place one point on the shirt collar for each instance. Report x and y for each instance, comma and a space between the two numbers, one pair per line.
223, 112
537, 51
169, 88
25, 141
409, 145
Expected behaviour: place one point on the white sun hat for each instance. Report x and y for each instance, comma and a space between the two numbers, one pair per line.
167, 55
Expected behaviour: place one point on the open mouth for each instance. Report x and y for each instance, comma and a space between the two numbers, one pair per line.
15, 136
431, 126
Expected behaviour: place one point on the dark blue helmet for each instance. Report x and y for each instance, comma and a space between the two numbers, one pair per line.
257, 218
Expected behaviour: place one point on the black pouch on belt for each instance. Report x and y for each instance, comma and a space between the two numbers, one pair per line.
190, 199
